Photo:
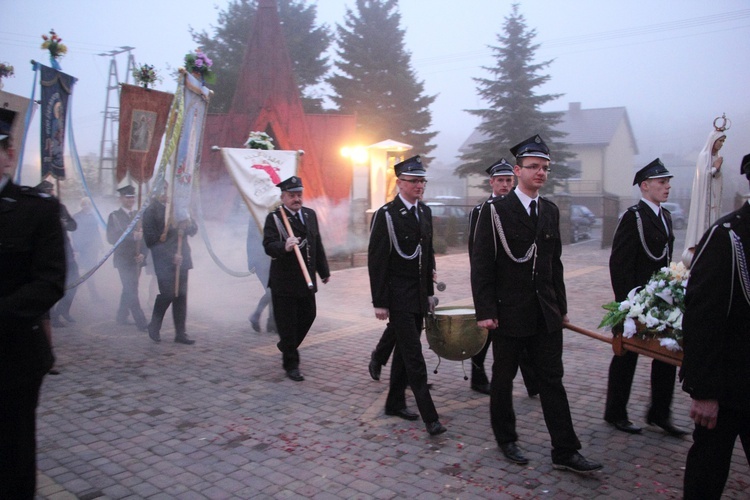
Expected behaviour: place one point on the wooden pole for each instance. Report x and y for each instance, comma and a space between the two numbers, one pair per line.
180, 234
301, 261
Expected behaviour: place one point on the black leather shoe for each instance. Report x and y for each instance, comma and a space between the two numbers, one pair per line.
576, 463
295, 375
374, 367
513, 453
154, 335
668, 427
183, 339
626, 425
435, 428
482, 388
402, 413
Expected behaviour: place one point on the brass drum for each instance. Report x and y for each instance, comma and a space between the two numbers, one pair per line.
452, 333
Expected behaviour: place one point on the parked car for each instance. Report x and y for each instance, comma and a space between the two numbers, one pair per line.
678, 216
581, 220
449, 222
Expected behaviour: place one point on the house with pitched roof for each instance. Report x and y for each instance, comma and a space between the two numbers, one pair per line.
604, 145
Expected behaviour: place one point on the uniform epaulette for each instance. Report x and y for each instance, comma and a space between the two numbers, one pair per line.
34, 193
634, 208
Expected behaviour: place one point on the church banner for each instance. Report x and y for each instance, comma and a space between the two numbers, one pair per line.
56, 88
143, 119
256, 173
188, 152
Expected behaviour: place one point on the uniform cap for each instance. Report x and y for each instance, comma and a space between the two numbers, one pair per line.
653, 170
410, 166
128, 191
293, 184
533, 146
500, 167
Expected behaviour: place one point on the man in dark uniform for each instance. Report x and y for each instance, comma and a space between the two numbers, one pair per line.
32, 267
716, 363
293, 301
501, 182
129, 258
62, 308
518, 289
168, 255
642, 245
401, 264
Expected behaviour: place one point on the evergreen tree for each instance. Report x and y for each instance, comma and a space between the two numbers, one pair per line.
375, 80
306, 42
513, 113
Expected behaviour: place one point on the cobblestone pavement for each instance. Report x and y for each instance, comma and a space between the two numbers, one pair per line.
127, 418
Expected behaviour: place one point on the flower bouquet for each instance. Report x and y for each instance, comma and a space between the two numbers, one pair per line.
653, 311
199, 65
6, 70
259, 140
146, 75
53, 43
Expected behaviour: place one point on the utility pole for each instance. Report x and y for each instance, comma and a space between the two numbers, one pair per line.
108, 145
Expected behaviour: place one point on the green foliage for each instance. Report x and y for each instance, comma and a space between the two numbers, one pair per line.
513, 113
306, 42
374, 78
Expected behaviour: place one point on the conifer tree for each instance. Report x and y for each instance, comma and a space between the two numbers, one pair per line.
306, 42
513, 113
374, 78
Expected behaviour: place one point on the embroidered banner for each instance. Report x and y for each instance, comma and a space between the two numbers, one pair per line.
56, 88
188, 152
256, 173
143, 119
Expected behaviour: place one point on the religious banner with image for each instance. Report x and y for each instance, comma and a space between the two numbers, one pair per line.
143, 119
56, 89
187, 156
256, 173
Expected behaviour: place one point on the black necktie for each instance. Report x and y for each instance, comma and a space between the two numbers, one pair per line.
532, 212
413, 211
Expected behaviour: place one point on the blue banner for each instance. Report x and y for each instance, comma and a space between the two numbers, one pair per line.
56, 88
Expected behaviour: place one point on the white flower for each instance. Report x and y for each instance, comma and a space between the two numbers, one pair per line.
666, 296
670, 344
624, 306
650, 320
675, 315
636, 310
628, 328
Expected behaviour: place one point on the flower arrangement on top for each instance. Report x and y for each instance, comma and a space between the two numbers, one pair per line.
655, 310
146, 75
259, 140
199, 63
6, 70
53, 43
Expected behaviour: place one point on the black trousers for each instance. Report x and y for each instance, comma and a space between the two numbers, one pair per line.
545, 354
129, 301
18, 439
408, 366
621, 372
479, 376
708, 460
294, 317
165, 279
385, 346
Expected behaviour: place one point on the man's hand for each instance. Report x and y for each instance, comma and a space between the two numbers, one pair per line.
290, 243
704, 412
489, 324
565, 319
381, 313
433, 302
177, 260
140, 258
326, 280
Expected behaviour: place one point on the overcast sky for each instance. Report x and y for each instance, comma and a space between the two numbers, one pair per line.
675, 65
